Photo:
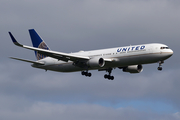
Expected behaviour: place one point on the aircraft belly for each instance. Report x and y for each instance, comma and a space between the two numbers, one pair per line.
65, 67
135, 60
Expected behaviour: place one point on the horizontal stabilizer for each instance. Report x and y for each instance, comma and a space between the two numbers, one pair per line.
39, 63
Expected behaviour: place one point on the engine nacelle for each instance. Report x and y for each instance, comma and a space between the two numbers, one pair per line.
133, 69
96, 62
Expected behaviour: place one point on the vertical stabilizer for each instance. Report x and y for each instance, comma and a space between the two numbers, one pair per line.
38, 43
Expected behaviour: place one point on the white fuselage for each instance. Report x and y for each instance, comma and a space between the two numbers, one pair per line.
119, 57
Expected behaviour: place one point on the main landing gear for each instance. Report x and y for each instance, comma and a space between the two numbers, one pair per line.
109, 75
160, 65
87, 74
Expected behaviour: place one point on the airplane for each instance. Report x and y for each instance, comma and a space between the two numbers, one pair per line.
128, 58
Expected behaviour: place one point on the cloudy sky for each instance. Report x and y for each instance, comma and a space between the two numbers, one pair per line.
74, 25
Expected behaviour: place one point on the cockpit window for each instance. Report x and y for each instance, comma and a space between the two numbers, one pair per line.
164, 47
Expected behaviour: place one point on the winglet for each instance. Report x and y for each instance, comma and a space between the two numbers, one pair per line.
14, 40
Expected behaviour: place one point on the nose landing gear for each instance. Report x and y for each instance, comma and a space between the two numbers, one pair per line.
160, 65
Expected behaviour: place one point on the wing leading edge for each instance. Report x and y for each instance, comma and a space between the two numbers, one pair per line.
57, 55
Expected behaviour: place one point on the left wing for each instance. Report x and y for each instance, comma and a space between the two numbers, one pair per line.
58, 55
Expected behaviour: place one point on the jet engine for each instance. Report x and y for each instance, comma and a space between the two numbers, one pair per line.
133, 69
96, 62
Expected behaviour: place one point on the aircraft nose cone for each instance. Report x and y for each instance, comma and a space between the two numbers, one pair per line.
170, 53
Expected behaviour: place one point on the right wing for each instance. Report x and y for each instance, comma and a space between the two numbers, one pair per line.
58, 55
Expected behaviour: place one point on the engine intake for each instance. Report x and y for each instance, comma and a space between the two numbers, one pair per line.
96, 62
133, 69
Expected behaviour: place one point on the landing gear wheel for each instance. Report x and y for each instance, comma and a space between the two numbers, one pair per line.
105, 76
159, 68
86, 74
82, 73
108, 77
89, 74
111, 77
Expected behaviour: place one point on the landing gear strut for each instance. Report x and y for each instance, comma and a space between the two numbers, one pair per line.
87, 74
109, 75
160, 65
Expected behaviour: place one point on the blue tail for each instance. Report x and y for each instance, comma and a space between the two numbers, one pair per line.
38, 43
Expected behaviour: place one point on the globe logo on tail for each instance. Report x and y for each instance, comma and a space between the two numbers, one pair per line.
42, 45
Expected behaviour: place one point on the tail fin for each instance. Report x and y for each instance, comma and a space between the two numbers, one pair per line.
38, 43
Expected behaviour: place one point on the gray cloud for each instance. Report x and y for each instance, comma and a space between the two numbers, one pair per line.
37, 84
45, 111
